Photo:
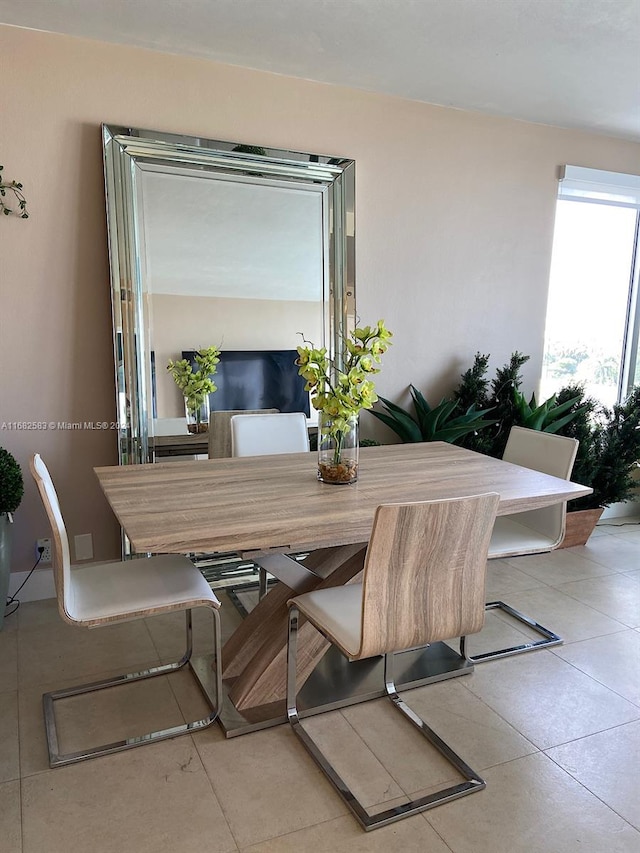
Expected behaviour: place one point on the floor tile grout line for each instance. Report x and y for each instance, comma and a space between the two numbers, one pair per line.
593, 793
194, 743
592, 677
22, 815
512, 561
624, 629
506, 722
592, 734
150, 635
377, 758
213, 789
573, 778
425, 815
295, 831
575, 598
586, 675
312, 764
627, 548
589, 607
553, 569
565, 643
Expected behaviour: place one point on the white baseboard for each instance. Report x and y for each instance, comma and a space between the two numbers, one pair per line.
627, 509
40, 585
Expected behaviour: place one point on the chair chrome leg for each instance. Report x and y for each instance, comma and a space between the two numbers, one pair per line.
57, 759
550, 639
262, 582
463, 648
292, 651
473, 782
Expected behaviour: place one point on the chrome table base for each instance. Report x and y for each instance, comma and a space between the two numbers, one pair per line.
336, 683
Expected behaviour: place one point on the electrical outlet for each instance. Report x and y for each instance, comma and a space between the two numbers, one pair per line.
46, 554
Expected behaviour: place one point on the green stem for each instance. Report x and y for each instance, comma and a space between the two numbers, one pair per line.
337, 450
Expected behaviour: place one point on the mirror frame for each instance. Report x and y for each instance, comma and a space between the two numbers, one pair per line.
125, 151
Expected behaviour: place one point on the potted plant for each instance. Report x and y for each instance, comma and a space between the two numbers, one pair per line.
462, 420
11, 491
508, 405
498, 396
196, 385
608, 454
437, 423
340, 389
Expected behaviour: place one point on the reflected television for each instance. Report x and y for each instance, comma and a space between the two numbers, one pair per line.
257, 379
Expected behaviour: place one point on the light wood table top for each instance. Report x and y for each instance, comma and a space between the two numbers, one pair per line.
256, 504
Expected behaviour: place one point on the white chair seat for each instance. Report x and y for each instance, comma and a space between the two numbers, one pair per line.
511, 538
339, 611
121, 591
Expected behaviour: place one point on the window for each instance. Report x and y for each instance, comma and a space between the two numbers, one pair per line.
593, 312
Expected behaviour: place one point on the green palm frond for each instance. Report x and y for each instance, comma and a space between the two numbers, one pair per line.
436, 423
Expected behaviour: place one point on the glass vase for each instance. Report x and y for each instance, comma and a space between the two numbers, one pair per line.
197, 414
337, 449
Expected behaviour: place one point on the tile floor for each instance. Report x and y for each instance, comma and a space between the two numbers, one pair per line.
555, 733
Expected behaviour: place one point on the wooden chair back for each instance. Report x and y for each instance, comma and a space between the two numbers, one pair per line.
424, 573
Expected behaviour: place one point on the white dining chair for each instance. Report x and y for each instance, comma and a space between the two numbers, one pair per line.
267, 435
220, 429
536, 531
423, 582
102, 594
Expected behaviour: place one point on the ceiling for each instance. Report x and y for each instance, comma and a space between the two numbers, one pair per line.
572, 63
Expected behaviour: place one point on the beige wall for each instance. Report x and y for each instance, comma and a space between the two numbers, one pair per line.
193, 322
454, 224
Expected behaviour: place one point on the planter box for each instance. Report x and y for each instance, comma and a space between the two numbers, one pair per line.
579, 526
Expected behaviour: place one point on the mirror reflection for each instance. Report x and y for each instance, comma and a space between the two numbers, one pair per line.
218, 244
233, 264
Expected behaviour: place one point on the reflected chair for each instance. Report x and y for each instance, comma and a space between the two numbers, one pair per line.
536, 531
266, 435
102, 594
220, 430
423, 582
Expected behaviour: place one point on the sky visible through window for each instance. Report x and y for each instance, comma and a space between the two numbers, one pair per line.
588, 295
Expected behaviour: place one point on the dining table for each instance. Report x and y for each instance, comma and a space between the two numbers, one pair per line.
267, 507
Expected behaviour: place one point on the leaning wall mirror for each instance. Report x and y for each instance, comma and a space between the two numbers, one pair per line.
219, 244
